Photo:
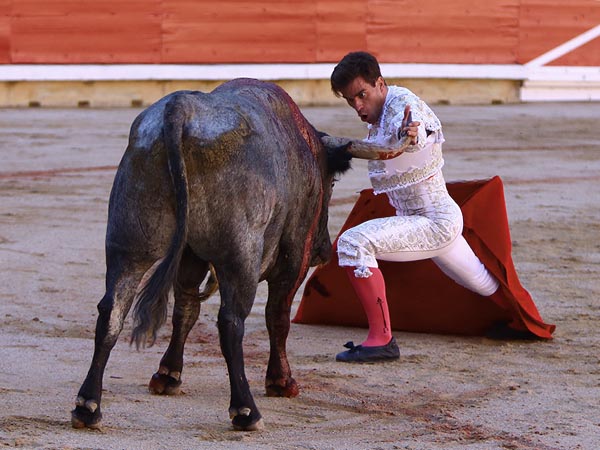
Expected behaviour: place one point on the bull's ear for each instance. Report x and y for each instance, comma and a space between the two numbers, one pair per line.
338, 158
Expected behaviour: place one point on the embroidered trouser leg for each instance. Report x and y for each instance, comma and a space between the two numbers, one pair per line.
430, 227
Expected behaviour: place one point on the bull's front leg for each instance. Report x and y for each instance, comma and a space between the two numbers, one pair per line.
279, 381
237, 297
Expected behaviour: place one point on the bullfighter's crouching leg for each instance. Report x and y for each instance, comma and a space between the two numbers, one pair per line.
167, 381
121, 283
237, 288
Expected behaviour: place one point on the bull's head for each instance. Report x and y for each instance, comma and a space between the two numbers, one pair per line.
339, 153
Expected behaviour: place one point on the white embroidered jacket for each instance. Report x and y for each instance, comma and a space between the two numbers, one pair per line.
419, 161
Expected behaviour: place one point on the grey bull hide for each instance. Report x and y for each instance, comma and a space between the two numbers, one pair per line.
237, 179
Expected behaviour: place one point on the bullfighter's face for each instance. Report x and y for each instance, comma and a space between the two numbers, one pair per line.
367, 100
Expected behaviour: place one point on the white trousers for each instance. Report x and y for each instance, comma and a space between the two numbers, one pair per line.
428, 224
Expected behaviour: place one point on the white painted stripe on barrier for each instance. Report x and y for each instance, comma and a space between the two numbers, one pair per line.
463, 71
565, 48
564, 73
137, 72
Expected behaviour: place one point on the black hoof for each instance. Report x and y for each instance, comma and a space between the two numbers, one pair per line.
288, 389
161, 384
81, 417
247, 423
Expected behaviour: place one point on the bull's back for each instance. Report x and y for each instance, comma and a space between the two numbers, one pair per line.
229, 120
275, 106
248, 160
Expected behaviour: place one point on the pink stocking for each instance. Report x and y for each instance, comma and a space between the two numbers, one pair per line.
371, 292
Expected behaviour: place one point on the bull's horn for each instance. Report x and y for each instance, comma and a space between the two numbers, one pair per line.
367, 150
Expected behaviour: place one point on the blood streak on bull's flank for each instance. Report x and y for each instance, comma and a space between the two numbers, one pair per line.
279, 95
303, 126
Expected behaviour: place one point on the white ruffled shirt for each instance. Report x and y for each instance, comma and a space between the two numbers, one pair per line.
419, 161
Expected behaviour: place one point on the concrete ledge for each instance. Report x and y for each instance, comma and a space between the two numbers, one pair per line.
306, 92
122, 85
560, 91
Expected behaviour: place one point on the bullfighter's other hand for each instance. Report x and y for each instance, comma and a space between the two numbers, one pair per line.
409, 127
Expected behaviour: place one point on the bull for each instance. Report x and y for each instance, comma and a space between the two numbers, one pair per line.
237, 180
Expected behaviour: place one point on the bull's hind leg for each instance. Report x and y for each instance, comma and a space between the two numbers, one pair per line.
237, 284
279, 381
121, 282
167, 381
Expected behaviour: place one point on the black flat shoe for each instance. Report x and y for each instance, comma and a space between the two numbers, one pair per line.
360, 354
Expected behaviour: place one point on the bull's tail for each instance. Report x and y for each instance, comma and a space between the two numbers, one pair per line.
150, 311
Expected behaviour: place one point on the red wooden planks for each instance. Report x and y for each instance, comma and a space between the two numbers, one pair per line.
461, 31
239, 31
5, 13
288, 31
341, 28
546, 24
52, 31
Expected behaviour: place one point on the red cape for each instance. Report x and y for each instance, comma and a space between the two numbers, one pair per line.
420, 297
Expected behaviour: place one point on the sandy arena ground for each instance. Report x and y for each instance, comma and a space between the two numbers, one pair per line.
445, 392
